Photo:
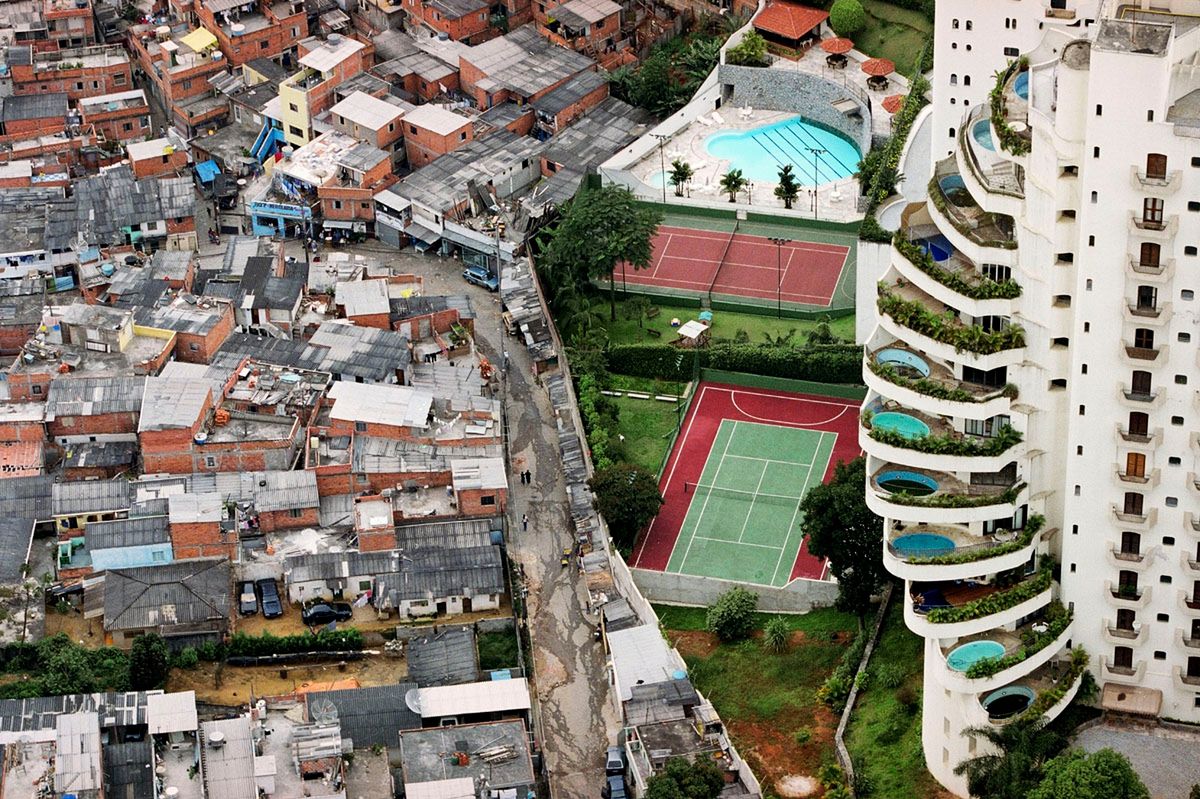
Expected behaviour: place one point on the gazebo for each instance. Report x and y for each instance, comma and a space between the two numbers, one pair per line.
790, 25
877, 70
837, 49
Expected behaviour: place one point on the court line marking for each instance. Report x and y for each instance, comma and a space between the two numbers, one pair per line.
750, 510
796, 512
742, 291
734, 543
764, 419
769, 460
843, 404
704, 507
720, 235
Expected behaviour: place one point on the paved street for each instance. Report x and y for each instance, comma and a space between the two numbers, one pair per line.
569, 665
1165, 759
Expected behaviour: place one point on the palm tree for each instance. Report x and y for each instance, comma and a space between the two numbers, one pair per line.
1013, 767
788, 189
681, 172
732, 182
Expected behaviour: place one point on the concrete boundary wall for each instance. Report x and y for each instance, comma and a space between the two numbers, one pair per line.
798, 596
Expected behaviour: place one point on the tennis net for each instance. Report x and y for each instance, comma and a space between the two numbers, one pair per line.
724, 254
718, 492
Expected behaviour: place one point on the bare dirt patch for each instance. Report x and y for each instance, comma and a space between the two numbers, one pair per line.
235, 685
694, 643
797, 786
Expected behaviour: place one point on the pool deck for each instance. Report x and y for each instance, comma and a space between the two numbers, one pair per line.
947, 483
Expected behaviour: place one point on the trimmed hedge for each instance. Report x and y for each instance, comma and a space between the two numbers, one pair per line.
242, 645
983, 289
1052, 696
1009, 139
997, 602
1032, 528
1057, 619
933, 388
947, 328
835, 363
967, 446
1006, 497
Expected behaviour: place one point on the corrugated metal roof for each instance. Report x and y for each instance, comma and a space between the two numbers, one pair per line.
371, 715
132, 532
170, 404
401, 406
90, 496
94, 396
286, 490
444, 657
475, 698
185, 592
77, 766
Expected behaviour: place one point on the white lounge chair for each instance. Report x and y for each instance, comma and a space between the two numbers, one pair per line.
747, 112
703, 120
717, 118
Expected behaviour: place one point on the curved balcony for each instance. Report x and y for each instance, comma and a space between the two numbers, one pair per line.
995, 180
1188, 641
942, 448
1189, 604
957, 209
1134, 481
1126, 675
926, 259
1152, 272
1053, 685
1142, 521
1185, 681
1118, 636
951, 552
1026, 650
1134, 561
1147, 314
1121, 596
913, 379
1138, 441
1163, 231
925, 495
909, 314
1162, 185
955, 609
1144, 357
1140, 400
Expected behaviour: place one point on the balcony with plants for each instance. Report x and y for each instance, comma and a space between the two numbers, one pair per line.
900, 491
905, 435
1043, 693
933, 552
907, 313
1127, 595
1020, 649
914, 378
995, 178
1009, 111
957, 608
927, 259
953, 202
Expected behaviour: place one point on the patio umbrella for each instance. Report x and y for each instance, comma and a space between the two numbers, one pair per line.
892, 102
837, 46
878, 67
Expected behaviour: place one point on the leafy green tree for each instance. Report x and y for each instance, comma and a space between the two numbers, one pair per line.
822, 335
732, 182
149, 662
841, 527
601, 229
68, 672
751, 51
1012, 766
1075, 774
788, 189
686, 779
698, 59
681, 173
731, 617
636, 307
656, 86
847, 17
627, 496
776, 635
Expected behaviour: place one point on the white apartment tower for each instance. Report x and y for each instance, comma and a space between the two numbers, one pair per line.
1034, 391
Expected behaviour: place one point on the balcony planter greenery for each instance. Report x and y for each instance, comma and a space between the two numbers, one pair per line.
946, 328
984, 289
995, 603
1009, 139
1006, 497
1057, 619
958, 444
933, 388
1032, 527
1052, 696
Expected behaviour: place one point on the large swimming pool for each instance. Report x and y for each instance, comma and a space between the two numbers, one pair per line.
760, 152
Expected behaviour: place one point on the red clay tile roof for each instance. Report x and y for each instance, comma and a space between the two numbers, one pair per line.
789, 20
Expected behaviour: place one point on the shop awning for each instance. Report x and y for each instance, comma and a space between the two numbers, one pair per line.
422, 233
340, 224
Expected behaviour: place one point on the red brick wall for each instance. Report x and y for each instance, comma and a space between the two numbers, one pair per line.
471, 28
21, 386
112, 124
91, 472
470, 501
376, 540
439, 321
423, 145
205, 345
271, 521
22, 431
109, 78
576, 110
100, 424
202, 540
380, 321
13, 337
153, 167
282, 34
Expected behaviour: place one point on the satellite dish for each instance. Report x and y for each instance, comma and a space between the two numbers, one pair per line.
323, 711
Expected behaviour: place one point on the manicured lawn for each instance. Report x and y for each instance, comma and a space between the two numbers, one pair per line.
821, 621
894, 33
647, 426
645, 385
884, 735
726, 324
767, 701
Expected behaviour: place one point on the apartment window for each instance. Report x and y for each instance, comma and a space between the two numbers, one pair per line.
1184, 338
1150, 116
36, 389
295, 131
1087, 287
1174, 460
263, 45
1142, 382
360, 427
1193, 205
1135, 464
953, 79
1152, 211
1150, 254
1189, 250
966, 82
1160, 655
488, 500
1083, 370
187, 84
210, 461
1091, 241
1083, 410
1156, 165
391, 127
968, 24
1143, 338
951, 133
295, 513
1095, 152
1133, 506
1125, 616
1123, 658
1099, 110
194, 347
954, 24
1177, 421
337, 205
1139, 423
1187, 295
1147, 297
1011, 52
412, 129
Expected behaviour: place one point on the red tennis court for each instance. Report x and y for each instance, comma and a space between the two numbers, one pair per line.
714, 404
742, 265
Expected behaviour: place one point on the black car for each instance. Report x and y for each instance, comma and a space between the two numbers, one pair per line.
325, 612
614, 788
247, 599
269, 591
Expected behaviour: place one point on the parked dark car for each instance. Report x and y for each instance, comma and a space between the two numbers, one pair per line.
268, 590
614, 761
481, 276
614, 788
247, 599
325, 612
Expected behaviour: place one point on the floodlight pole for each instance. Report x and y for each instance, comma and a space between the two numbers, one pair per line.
779, 242
816, 154
662, 160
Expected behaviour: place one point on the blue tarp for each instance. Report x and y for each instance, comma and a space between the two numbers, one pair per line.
208, 171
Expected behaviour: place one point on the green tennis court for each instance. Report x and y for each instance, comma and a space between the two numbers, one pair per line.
743, 520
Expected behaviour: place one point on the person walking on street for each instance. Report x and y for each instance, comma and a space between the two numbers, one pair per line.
525, 522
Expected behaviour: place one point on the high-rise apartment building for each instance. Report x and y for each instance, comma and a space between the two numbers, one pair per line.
1033, 367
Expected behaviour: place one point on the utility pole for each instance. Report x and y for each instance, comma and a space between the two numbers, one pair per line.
662, 161
779, 242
